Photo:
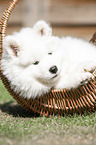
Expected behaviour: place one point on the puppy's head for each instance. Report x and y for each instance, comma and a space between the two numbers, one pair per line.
26, 50
29, 61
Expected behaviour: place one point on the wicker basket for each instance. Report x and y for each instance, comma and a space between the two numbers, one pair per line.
55, 102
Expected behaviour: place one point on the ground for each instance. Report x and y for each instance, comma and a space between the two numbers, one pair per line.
19, 127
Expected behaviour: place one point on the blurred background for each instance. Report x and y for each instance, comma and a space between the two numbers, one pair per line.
67, 17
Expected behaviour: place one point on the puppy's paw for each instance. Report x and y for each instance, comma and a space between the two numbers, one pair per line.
87, 67
90, 67
85, 77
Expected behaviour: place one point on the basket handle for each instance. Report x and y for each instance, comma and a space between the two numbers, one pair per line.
93, 39
4, 21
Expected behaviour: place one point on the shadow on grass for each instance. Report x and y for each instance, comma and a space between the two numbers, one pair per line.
16, 110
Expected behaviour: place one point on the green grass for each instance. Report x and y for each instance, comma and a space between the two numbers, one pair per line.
17, 127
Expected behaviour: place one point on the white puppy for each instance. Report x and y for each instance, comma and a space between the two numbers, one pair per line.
34, 61
27, 61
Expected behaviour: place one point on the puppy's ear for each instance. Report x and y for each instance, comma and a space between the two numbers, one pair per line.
42, 28
11, 46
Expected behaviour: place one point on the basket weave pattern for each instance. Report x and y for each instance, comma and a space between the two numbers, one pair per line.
57, 102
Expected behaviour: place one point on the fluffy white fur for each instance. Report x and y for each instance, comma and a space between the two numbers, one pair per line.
34, 61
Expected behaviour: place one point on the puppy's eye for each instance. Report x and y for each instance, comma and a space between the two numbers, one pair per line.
50, 53
36, 62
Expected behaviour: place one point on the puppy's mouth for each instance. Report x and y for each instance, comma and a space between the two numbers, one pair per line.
54, 76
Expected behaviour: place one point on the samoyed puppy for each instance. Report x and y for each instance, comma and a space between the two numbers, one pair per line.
27, 60
35, 61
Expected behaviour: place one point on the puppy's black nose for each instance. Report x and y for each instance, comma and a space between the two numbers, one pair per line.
53, 69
